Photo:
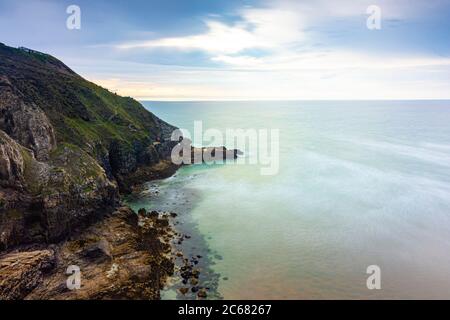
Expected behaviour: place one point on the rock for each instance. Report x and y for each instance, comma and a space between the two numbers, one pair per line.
194, 281
195, 273
202, 293
27, 124
154, 215
127, 215
183, 290
12, 163
142, 212
112, 273
162, 223
194, 289
212, 154
98, 251
22, 272
114, 258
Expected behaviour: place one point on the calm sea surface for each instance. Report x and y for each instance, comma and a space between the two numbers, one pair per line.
359, 184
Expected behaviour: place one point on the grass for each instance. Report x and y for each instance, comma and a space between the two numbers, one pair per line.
81, 112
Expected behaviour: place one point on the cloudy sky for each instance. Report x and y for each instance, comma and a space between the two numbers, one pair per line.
244, 50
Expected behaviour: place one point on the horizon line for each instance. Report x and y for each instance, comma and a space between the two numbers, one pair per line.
278, 100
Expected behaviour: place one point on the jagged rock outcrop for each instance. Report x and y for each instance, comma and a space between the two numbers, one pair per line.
25, 123
11, 162
118, 258
22, 272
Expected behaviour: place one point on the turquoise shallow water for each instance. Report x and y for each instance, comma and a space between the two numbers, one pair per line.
360, 183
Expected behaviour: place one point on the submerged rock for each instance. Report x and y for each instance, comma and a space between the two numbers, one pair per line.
202, 293
183, 291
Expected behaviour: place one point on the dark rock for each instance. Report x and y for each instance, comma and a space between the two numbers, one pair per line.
97, 251
162, 223
128, 215
195, 273
154, 215
202, 293
27, 124
12, 163
22, 272
183, 291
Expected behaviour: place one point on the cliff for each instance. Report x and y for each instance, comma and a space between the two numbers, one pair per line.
67, 149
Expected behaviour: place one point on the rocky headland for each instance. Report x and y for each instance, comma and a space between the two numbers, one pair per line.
69, 151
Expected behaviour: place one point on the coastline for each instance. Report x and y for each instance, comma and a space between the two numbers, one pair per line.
126, 254
70, 150
119, 257
194, 277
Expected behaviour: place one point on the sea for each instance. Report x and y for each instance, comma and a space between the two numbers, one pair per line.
354, 201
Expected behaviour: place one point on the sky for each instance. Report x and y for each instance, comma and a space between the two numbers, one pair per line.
244, 50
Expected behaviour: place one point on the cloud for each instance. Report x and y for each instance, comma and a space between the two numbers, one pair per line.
393, 81
330, 60
272, 52
278, 24
257, 28
220, 38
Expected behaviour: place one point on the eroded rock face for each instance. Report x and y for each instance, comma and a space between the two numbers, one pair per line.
118, 257
46, 201
66, 146
11, 162
76, 193
25, 123
22, 272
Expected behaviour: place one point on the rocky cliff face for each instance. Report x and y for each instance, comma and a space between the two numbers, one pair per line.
67, 148
12, 163
25, 123
123, 256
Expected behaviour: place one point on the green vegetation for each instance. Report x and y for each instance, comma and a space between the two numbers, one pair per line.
82, 113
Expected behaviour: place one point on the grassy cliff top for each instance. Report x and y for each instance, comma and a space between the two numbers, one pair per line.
81, 112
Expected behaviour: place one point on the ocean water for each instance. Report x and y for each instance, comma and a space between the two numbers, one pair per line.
359, 184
